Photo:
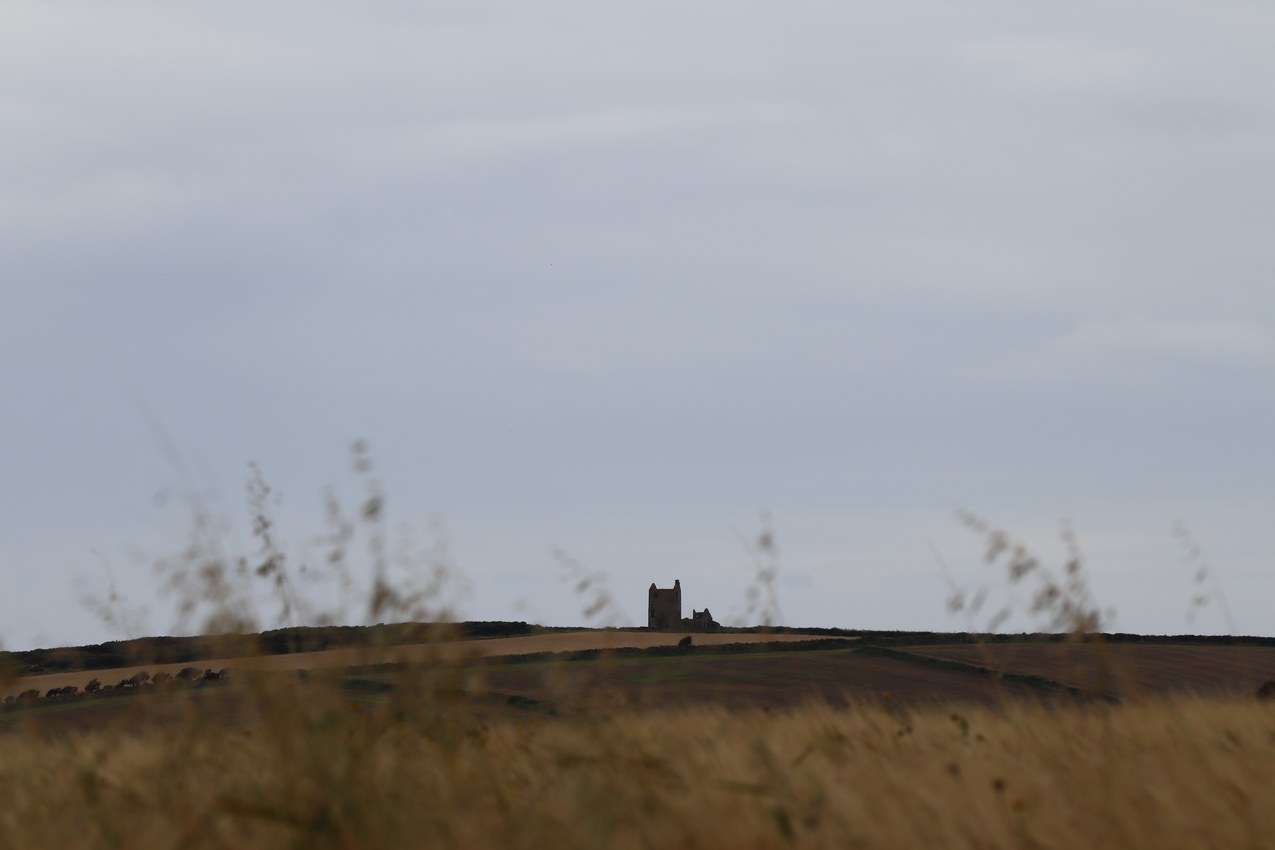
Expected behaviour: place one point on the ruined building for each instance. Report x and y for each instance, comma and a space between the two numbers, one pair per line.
664, 612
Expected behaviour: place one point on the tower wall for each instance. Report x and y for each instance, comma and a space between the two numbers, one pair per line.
664, 608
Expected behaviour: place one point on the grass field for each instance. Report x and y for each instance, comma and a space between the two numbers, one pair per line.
487, 743
572, 641
1125, 669
838, 677
778, 748
312, 768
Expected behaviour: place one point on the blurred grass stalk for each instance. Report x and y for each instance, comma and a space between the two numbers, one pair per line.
411, 755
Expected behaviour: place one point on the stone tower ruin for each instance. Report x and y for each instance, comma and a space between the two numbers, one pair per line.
664, 612
664, 608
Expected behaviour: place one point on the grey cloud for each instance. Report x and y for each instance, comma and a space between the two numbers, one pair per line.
567, 261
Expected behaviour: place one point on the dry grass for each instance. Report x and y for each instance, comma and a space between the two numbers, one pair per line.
1181, 773
281, 761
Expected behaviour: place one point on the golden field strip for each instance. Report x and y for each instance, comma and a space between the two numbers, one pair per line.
458, 650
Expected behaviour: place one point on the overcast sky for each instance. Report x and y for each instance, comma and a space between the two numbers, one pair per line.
616, 277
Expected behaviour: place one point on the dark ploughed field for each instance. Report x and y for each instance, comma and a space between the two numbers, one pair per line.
774, 679
1125, 669
778, 678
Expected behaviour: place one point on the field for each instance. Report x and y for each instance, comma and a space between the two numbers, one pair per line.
838, 677
418, 768
500, 678
1125, 669
827, 673
570, 641
776, 741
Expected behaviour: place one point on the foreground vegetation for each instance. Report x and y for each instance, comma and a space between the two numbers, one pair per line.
310, 766
443, 752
